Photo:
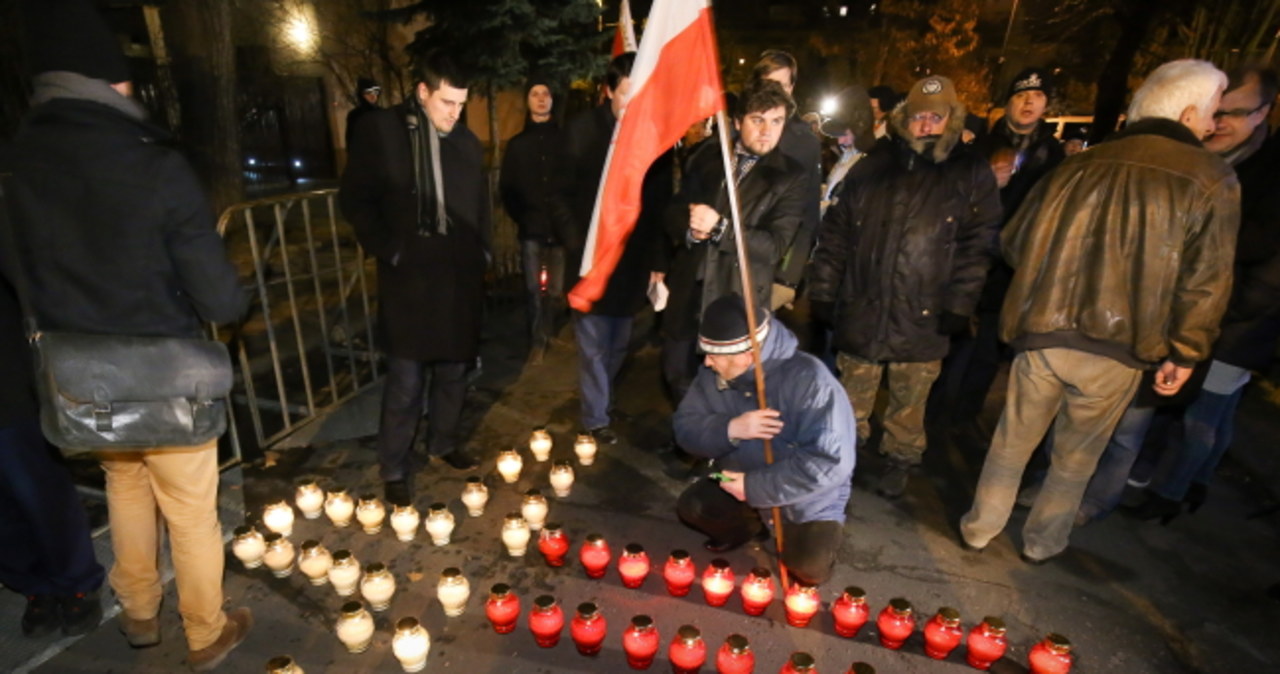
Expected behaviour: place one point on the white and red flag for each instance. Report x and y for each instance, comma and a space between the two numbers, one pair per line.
675, 82
624, 38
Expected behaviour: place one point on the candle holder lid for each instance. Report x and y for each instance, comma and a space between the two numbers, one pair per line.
500, 590
544, 602
738, 644
451, 572
634, 549
762, 573
689, 634
351, 607
862, 668
337, 491
306, 482
802, 661
950, 616
309, 544
562, 464
680, 555
342, 555
855, 593
272, 537
642, 622
375, 567
1057, 643
552, 527
406, 624
243, 529
473, 480
588, 610
279, 663
534, 493
995, 624
720, 564
595, 539
368, 498
900, 606
437, 506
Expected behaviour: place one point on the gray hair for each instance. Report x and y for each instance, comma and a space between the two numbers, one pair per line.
1175, 86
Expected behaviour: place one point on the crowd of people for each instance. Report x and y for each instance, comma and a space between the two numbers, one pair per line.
1139, 274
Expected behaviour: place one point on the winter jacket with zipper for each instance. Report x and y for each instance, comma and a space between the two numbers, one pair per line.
911, 236
1125, 251
813, 455
534, 182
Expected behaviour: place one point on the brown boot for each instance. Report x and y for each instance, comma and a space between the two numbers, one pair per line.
237, 628
140, 633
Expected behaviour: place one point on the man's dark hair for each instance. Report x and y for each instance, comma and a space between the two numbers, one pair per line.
619, 69
775, 59
436, 67
1268, 83
762, 95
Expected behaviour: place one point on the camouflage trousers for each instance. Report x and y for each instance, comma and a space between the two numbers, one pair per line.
909, 384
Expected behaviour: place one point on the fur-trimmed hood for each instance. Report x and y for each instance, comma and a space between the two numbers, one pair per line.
951, 135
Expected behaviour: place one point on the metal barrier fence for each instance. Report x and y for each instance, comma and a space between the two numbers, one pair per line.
308, 344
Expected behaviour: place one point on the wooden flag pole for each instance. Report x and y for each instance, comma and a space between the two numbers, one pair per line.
748, 297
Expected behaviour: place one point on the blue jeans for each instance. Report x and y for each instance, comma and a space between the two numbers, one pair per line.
1208, 428
602, 346
44, 530
1107, 484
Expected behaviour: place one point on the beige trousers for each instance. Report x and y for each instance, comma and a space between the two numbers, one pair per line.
178, 486
1083, 396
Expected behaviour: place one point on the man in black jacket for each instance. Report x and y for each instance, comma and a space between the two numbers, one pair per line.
1021, 149
604, 332
900, 263
801, 144
534, 179
416, 194
115, 237
772, 192
367, 94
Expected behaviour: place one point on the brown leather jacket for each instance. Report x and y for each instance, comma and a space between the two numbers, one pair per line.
1125, 250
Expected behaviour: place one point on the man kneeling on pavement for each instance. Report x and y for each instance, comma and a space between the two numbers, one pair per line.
810, 422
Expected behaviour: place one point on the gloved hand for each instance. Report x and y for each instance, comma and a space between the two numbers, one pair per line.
823, 312
954, 324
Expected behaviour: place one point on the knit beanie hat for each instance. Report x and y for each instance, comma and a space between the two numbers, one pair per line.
72, 35
934, 93
723, 330
1029, 79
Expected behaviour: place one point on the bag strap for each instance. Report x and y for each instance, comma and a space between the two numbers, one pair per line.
12, 260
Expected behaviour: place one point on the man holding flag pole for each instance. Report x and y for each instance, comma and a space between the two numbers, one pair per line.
674, 83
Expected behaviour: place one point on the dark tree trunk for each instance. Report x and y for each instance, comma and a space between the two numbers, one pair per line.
1113, 83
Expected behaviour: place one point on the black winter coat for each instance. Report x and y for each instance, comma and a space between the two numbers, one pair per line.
589, 135
908, 240
535, 179
430, 287
799, 143
772, 202
114, 230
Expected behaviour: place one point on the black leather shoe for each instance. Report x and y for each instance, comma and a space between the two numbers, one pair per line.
80, 612
604, 435
41, 616
397, 492
461, 459
1156, 507
1196, 495
1032, 560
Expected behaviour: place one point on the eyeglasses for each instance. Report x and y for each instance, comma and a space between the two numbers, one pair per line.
1238, 112
931, 117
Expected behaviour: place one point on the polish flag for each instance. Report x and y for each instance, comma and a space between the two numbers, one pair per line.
624, 39
675, 82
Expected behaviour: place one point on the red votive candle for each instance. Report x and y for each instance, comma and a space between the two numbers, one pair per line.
1051, 656
546, 620
942, 633
633, 565
735, 656
688, 651
802, 604
679, 573
800, 663
757, 591
860, 668
588, 628
502, 609
850, 611
595, 555
896, 623
986, 643
553, 544
717, 582
640, 642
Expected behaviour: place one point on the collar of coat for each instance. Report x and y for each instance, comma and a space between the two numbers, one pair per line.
951, 135
1159, 126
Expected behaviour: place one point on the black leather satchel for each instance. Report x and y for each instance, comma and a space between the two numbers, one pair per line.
118, 391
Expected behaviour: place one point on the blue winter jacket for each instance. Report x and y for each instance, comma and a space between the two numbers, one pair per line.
813, 456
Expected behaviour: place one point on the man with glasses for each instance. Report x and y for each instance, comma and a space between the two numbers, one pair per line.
900, 263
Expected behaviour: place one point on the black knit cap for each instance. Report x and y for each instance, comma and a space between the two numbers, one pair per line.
1029, 79
724, 330
72, 35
